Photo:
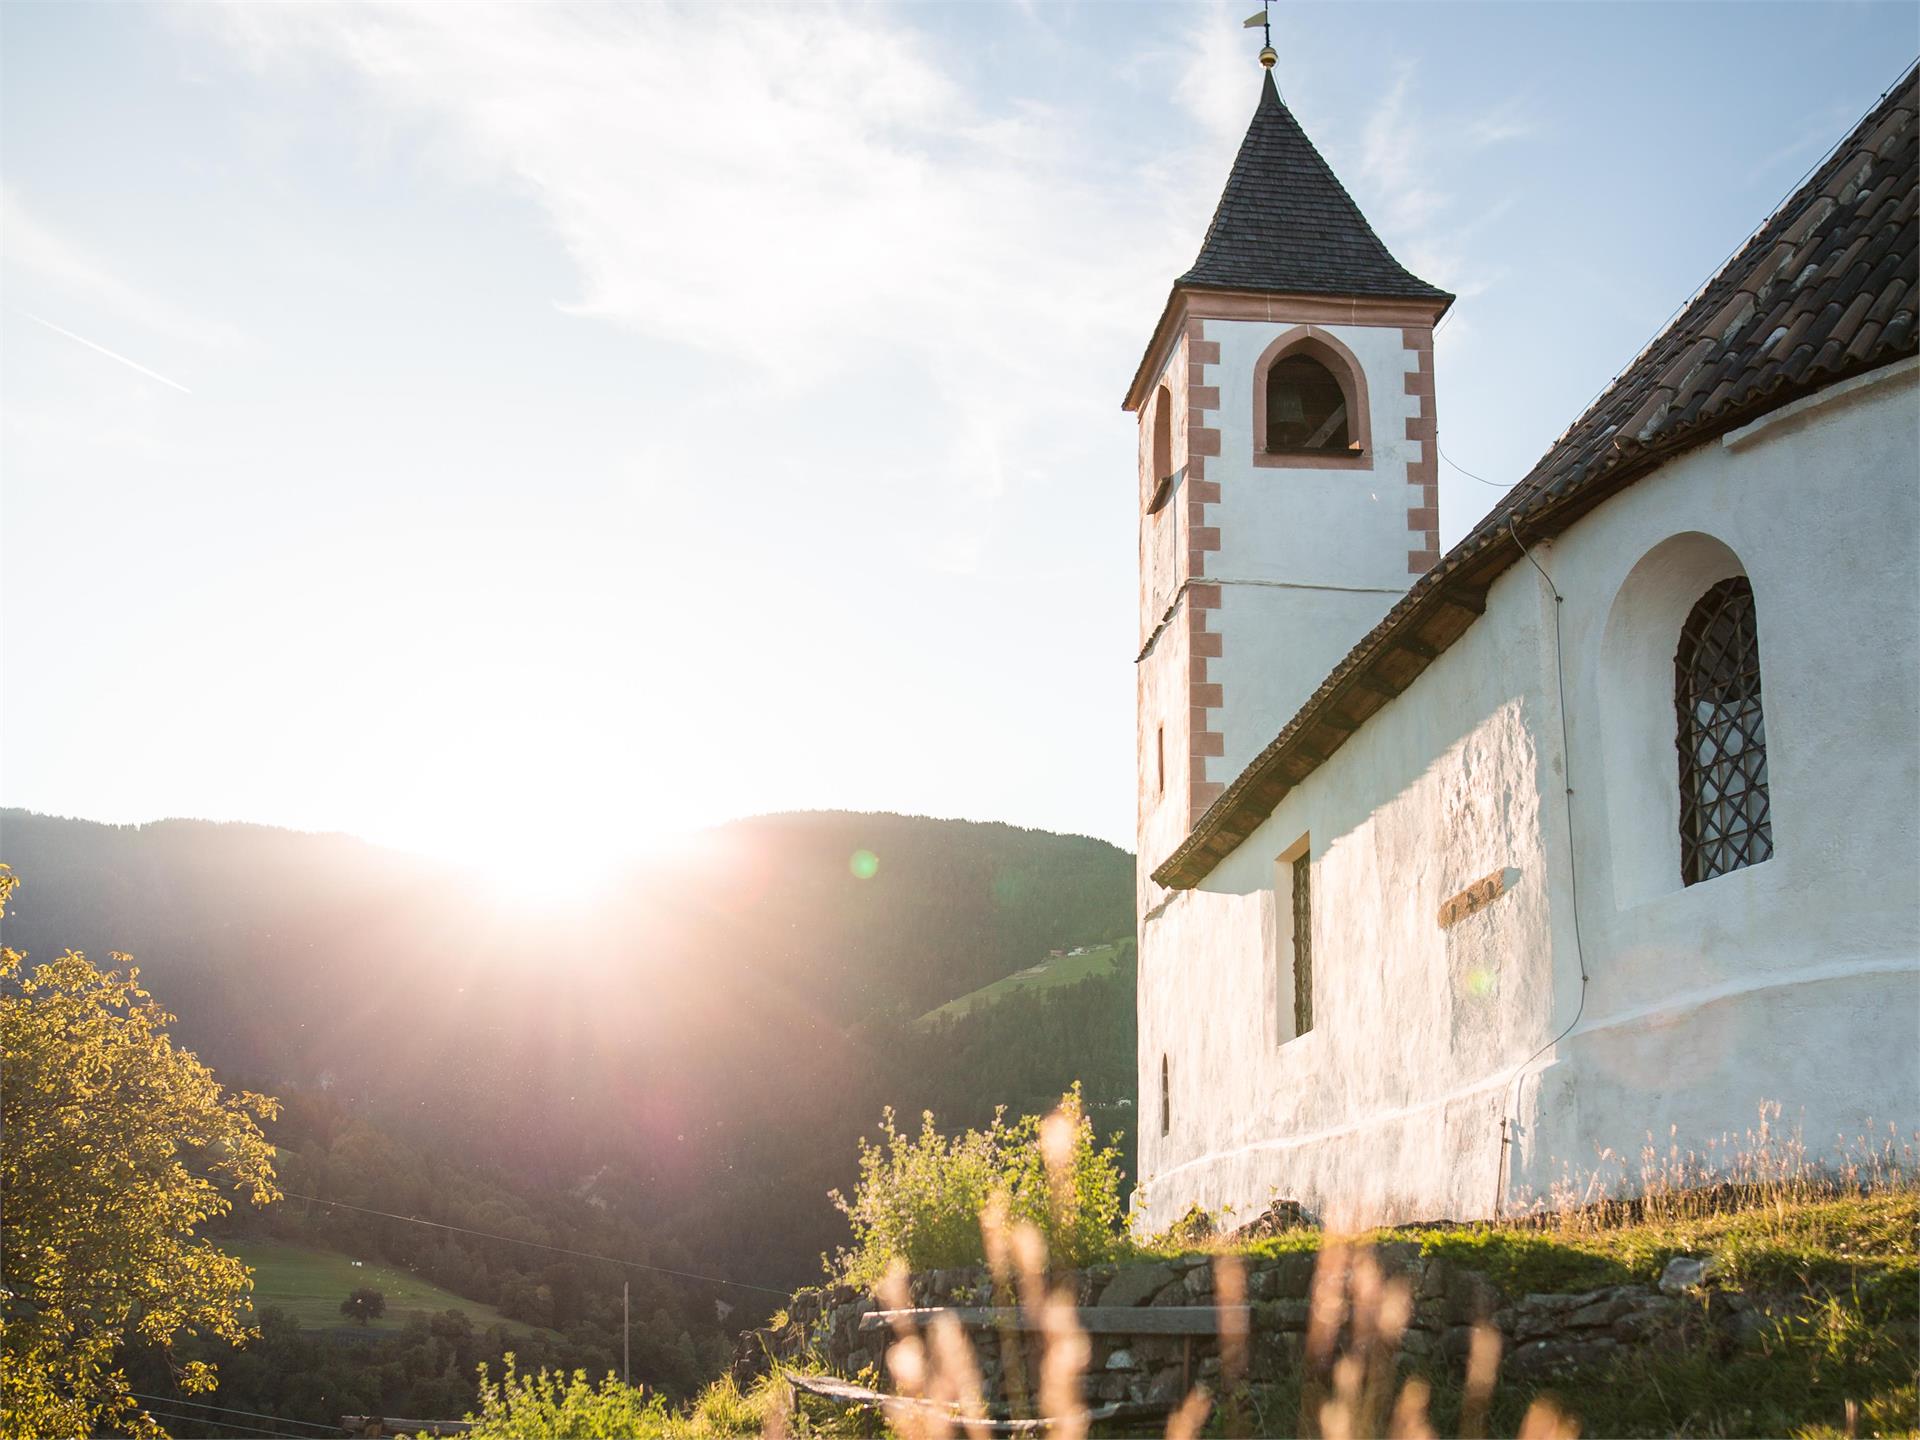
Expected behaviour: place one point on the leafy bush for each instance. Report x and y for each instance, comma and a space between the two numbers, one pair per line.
920, 1197
555, 1406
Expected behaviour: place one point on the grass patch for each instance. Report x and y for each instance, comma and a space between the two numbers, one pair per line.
309, 1284
1047, 975
1840, 1276
1862, 1248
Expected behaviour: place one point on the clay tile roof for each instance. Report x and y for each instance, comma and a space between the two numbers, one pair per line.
1285, 223
1824, 290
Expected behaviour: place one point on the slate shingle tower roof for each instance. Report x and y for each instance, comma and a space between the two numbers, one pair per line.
1285, 223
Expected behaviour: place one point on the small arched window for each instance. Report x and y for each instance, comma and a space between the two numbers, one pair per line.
1724, 820
1160, 482
1306, 408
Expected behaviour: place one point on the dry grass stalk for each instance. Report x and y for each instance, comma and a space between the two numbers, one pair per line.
1230, 1295
773, 1424
1063, 1361
1409, 1419
956, 1375
1546, 1421
1768, 1167
1483, 1368
1356, 1319
1185, 1422
907, 1364
996, 1234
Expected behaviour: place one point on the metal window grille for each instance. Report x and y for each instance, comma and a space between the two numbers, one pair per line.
1724, 822
1302, 947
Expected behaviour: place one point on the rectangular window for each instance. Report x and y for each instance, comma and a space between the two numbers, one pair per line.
1291, 943
1166, 1100
1302, 944
1160, 756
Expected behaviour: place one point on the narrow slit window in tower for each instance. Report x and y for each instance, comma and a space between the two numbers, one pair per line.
1302, 945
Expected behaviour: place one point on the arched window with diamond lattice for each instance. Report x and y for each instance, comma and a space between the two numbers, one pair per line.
1724, 821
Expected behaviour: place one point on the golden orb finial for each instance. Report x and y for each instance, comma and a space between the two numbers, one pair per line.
1268, 58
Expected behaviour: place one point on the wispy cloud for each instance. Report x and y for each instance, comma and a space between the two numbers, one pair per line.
1406, 154
31, 245
815, 198
103, 350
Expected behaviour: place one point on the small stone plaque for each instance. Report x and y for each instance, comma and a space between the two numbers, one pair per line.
1477, 896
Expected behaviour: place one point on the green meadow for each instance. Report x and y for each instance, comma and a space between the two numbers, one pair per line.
309, 1285
1047, 975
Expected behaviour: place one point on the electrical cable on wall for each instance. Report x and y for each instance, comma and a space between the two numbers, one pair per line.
1573, 874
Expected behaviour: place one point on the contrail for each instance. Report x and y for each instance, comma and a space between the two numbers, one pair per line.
130, 364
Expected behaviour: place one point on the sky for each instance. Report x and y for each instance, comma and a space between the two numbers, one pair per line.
522, 434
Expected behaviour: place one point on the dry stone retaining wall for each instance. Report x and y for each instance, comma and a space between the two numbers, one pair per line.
1543, 1333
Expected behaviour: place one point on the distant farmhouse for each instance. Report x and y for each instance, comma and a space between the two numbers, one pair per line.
1457, 869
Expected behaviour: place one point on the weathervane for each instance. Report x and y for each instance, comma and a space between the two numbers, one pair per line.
1265, 22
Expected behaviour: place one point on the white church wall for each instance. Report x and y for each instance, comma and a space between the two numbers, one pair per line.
1386, 1108
1309, 559
1162, 711
1796, 980
1305, 526
1161, 681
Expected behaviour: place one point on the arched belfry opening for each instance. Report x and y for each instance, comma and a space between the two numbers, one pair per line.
1310, 403
1306, 408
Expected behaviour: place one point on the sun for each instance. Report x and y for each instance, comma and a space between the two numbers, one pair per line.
544, 861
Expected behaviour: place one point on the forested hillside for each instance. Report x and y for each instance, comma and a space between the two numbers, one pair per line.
696, 1050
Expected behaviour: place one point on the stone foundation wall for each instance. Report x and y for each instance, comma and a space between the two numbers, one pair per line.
1542, 1334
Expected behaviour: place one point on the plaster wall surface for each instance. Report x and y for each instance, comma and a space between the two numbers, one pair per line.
1306, 526
1309, 559
1163, 672
1385, 1108
1163, 533
1796, 980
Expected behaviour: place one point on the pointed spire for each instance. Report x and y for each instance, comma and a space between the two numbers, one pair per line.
1285, 223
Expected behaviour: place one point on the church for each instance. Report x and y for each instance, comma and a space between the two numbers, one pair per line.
1463, 873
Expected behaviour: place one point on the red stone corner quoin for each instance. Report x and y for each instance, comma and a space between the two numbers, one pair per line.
1423, 511
1203, 600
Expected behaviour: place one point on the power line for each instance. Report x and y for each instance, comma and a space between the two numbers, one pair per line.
1498, 485
537, 1245
229, 1425
229, 1410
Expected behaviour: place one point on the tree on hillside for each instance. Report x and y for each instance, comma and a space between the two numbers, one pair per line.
365, 1305
118, 1147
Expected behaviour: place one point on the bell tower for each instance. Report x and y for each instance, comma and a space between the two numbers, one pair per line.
1287, 491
